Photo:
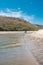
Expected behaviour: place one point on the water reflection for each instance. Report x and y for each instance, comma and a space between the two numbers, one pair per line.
11, 51
14, 50
9, 41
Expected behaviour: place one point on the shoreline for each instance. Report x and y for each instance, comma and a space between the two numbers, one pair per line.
10, 32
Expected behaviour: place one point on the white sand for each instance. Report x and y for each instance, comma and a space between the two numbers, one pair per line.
38, 33
10, 32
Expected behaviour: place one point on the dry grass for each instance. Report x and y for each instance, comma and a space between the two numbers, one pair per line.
15, 24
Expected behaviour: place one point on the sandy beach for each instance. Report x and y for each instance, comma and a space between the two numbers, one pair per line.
9, 32
35, 45
31, 52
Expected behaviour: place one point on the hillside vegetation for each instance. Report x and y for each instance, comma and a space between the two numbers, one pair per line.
15, 24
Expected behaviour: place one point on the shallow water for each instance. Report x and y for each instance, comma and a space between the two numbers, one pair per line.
10, 49
14, 50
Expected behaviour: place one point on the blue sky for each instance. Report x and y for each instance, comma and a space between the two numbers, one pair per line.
30, 10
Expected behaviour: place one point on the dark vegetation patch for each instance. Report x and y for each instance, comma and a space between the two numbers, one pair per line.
15, 24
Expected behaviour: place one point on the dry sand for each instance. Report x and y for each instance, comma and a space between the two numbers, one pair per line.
35, 44
10, 32
38, 34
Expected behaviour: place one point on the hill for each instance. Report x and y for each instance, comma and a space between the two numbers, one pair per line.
39, 26
15, 24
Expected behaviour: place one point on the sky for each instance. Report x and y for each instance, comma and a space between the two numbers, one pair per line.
29, 10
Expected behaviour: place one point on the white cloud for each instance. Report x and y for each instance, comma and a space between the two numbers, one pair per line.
10, 13
17, 14
20, 14
28, 18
